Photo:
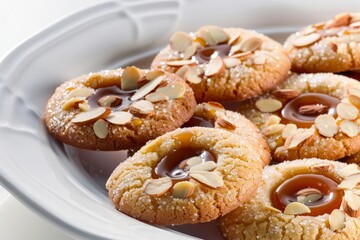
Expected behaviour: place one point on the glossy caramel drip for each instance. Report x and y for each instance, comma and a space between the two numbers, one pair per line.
290, 113
288, 190
352, 74
196, 121
204, 55
111, 91
169, 165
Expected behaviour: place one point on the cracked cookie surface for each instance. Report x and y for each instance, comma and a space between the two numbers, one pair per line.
118, 109
309, 115
259, 219
138, 189
225, 64
331, 46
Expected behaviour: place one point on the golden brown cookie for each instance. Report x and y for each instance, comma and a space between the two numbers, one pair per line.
118, 109
331, 46
214, 115
309, 115
303, 199
190, 175
225, 64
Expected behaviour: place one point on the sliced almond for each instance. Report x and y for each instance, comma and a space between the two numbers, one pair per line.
91, 116
231, 62
210, 179
351, 204
340, 20
119, 118
110, 101
355, 24
309, 30
192, 75
350, 128
273, 119
271, 208
337, 220
183, 189
158, 187
355, 17
313, 109
80, 92
354, 96
188, 163
204, 166
307, 40
190, 51
286, 93
347, 111
251, 44
214, 106
225, 124
324, 167
153, 74
180, 41
309, 195
142, 107
173, 90
349, 170
156, 97
296, 208
289, 130
147, 88
129, 78
260, 60
179, 63
300, 136
182, 70
100, 128
212, 35
242, 56
273, 129
84, 106
234, 38
72, 103
268, 105
214, 67
350, 182
326, 125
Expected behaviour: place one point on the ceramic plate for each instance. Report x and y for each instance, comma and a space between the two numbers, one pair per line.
67, 185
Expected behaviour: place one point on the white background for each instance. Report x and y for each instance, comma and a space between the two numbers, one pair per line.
19, 20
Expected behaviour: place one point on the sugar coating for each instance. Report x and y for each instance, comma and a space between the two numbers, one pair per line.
319, 57
238, 164
254, 220
168, 116
333, 148
243, 81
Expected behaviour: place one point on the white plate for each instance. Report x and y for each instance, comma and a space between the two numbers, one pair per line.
55, 180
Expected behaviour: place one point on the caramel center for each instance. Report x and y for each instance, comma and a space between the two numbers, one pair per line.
196, 121
170, 165
304, 109
115, 91
326, 195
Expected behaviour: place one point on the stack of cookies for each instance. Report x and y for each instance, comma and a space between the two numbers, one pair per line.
214, 109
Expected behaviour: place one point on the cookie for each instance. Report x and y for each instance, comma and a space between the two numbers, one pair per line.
190, 175
331, 46
309, 115
303, 199
118, 109
214, 115
225, 63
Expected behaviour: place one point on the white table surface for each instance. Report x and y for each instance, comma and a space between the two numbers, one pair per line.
19, 20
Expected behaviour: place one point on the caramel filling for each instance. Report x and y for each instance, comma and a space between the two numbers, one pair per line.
204, 55
325, 194
122, 97
174, 164
196, 121
304, 109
